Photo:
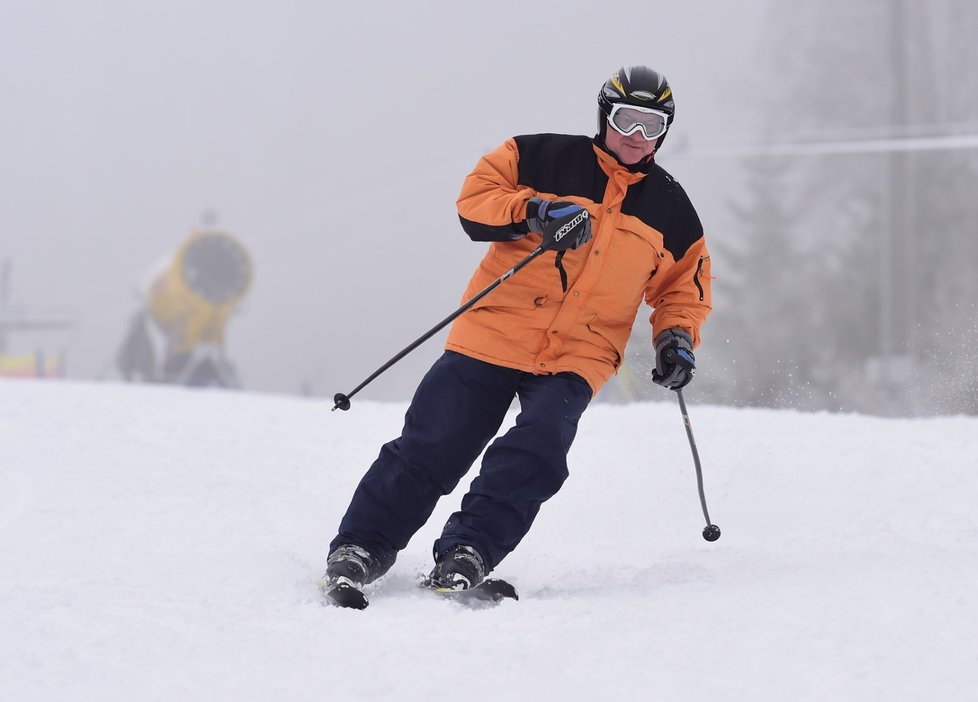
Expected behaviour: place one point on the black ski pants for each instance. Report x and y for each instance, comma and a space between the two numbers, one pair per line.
457, 409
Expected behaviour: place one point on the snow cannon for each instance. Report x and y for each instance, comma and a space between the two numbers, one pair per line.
177, 334
193, 298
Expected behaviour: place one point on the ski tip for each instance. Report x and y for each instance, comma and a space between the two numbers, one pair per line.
343, 595
504, 589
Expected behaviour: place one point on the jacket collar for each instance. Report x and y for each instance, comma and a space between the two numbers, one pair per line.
616, 170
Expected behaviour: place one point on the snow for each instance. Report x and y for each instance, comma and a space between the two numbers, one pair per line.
164, 544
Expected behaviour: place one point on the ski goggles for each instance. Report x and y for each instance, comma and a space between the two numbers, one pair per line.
626, 119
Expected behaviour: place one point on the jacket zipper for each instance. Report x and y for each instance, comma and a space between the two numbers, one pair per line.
696, 277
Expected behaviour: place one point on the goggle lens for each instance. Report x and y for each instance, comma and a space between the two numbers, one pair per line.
626, 120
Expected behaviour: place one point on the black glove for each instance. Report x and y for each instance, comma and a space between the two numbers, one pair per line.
563, 224
674, 360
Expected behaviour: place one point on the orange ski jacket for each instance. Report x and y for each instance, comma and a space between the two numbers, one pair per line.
647, 243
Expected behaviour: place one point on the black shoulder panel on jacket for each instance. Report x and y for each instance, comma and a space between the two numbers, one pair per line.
660, 201
560, 164
489, 232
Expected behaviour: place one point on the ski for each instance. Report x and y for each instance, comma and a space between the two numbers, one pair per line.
488, 593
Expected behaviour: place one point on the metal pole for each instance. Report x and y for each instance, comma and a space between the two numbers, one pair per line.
343, 401
711, 532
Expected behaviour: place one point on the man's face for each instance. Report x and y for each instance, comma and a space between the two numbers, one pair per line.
629, 149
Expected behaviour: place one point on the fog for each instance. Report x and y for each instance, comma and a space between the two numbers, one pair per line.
332, 142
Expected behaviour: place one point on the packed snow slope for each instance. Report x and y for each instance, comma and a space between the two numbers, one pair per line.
164, 544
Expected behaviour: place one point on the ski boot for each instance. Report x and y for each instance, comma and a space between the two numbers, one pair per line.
347, 569
460, 575
459, 568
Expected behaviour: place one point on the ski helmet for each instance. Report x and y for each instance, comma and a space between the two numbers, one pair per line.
635, 85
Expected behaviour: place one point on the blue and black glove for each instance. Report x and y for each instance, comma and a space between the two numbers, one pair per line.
564, 225
674, 360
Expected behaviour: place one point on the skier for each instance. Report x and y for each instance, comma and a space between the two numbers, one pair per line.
618, 229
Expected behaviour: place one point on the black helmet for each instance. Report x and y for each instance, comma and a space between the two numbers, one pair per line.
639, 86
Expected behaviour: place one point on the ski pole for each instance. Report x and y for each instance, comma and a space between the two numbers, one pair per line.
343, 401
711, 532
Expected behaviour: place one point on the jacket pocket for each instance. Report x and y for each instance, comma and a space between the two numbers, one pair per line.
607, 335
527, 289
630, 259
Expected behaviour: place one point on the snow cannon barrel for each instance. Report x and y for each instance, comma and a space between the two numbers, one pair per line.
193, 298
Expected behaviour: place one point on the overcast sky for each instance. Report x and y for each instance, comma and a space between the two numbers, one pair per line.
331, 140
